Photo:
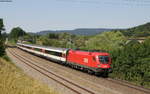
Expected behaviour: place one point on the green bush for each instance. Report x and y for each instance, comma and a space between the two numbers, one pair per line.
2, 49
132, 63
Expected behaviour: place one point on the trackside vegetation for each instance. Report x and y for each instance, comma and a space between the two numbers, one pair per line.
14, 81
132, 63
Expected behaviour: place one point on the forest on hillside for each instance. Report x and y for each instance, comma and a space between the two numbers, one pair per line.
131, 59
139, 31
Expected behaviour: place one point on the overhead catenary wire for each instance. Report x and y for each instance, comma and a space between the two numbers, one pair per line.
110, 2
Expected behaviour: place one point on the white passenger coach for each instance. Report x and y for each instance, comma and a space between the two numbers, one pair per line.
56, 54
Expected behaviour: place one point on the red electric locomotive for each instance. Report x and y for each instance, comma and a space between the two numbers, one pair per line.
97, 62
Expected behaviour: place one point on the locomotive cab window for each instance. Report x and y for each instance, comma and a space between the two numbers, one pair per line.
104, 59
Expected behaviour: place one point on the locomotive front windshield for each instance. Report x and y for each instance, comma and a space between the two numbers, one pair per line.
104, 59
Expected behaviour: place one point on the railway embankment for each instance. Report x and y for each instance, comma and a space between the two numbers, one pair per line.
14, 81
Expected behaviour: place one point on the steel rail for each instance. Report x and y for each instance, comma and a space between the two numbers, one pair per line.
123, 83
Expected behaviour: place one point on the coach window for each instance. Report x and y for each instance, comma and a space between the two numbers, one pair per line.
53, 53
37, 49
28, 47
25, 46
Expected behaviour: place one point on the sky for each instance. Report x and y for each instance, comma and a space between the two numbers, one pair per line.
38, 15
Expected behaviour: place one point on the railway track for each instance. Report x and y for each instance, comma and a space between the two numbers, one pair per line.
37, 67
125, 83
145, 91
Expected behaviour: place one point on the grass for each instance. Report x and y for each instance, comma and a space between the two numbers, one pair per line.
14, 81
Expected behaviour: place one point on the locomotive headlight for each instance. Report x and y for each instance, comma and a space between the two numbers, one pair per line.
97, 57
99, 65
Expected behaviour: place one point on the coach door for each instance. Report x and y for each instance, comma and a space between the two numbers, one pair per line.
63, 57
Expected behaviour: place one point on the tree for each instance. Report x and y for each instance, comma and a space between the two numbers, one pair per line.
53, 36
106, 41
16, 33
2, 48
1, 26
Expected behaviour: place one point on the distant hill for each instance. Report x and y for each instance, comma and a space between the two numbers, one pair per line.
138, 31
81, 31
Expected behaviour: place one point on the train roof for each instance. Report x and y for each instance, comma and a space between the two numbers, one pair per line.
89, 50
60, 49
45, 47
